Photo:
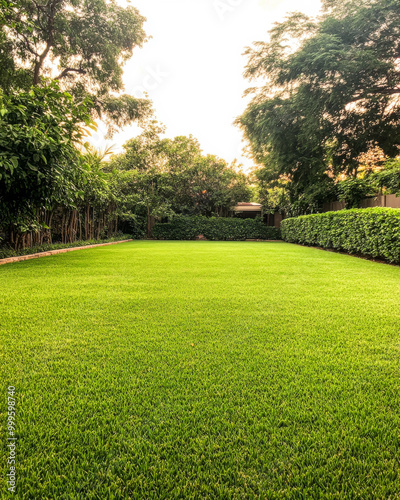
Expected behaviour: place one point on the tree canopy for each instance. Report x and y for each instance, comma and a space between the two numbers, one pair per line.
331, 93
83, 44
173, 176
61, 65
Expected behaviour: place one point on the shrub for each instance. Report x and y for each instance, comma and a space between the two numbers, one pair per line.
215, 228
389, 178
352, 191
373, 232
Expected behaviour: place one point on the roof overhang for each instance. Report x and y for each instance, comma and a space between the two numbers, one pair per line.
248, 208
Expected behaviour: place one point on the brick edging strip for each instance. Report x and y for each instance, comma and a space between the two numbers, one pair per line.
20, 258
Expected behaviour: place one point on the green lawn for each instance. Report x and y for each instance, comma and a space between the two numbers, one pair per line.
199, 370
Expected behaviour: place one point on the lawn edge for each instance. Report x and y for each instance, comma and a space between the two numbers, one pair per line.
342, 252
10, 260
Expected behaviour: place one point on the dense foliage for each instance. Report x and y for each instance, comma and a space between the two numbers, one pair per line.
214, 228
381, 178
331, 94
61, 64
373, 232
54, 187
173, 176
40, 166
82, 45
388, 180
385, 180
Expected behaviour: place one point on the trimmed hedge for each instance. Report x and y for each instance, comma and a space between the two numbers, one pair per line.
214, 228
372, 232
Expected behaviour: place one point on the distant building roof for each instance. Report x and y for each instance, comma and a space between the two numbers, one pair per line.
248, 207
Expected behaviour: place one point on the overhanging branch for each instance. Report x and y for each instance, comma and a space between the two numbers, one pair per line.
65, 72
377, 91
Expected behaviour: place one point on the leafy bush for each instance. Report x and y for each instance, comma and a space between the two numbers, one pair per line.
352, 191
39, 130
215, 228
389, 178
134, 225
373, 232
6, 252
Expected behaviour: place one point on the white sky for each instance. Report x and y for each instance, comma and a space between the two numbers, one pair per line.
192, 68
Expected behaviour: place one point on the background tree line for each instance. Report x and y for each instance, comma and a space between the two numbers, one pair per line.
61, 68
330, 100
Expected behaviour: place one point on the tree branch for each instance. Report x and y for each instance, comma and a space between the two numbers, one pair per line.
28, 46
39, 9
65, 72
377, 90
38, 6
51, 6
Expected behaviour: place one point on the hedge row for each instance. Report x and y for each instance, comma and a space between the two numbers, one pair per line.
372, 232
215, 228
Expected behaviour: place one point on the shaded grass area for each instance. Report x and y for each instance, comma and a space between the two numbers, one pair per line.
194, 370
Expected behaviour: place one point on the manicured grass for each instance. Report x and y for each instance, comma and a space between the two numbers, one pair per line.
201, 370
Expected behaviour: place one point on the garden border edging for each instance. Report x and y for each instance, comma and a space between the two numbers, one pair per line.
20, 258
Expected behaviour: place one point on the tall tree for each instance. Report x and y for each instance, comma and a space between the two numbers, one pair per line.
331, 94
83, 44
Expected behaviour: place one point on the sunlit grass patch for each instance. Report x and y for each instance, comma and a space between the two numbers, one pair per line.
203, 370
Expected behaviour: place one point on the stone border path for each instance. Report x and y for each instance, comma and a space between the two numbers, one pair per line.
55, 252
